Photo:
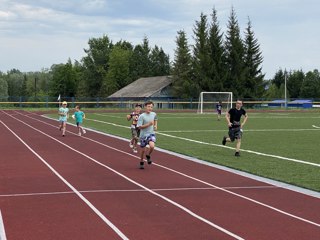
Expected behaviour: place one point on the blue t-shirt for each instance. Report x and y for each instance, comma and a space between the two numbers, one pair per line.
79, 116
145, 118
65, 111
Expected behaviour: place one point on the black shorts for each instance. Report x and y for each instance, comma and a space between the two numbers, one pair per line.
235, 133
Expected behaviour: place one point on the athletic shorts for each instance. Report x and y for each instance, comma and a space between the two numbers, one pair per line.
145, 140
235, 133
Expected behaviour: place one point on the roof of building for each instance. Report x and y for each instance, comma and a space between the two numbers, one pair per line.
143, 87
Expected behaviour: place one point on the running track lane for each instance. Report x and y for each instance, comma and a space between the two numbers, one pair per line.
245, 218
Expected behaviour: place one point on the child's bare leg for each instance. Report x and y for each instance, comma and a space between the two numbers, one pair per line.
64, 126
141, 158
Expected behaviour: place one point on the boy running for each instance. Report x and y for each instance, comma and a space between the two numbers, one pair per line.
63, 117
134, 116
147, 123
219, 109
79, 116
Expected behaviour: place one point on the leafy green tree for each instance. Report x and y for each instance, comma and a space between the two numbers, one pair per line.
118, 74
96, 64
183, 86
15, 80
3, 89
311, 85
217, 71
160, 62
201, 60
63, 80
235, 53
254, 84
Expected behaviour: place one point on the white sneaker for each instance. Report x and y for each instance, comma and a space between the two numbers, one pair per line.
79, 134
135, 150
84, 131
130, 145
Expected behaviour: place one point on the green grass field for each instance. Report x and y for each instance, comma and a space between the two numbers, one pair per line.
280, 146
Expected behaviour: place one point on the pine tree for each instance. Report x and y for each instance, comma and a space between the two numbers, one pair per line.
182, 69
234, 58
217, 71
254, 85
201, 60
160, 63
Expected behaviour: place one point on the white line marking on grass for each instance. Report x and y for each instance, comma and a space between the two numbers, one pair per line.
218, 145
95, 210
2, 230
315, 126
125, 177
246, 130
187, 176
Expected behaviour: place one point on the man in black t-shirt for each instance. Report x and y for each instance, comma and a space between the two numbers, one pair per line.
233, 117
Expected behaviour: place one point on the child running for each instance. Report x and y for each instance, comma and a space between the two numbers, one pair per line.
79, 116
63, 117
147, 123
134, 116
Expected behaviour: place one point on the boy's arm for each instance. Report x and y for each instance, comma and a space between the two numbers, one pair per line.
129, 116
155, 125
244, 120
228, 119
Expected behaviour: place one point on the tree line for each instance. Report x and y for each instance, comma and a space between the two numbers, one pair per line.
215, 62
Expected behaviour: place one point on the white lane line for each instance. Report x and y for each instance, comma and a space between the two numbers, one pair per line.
315, 126
125, 177
2, 230
219, 145
95, 210
130, 190
198, 180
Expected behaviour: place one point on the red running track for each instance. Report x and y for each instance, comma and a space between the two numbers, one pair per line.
91, 188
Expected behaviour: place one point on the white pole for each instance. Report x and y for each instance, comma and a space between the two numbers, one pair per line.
285, 89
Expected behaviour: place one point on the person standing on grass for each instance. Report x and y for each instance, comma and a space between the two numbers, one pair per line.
79, 116
63, 117
148, 124
219, 109
233, 117
135, 132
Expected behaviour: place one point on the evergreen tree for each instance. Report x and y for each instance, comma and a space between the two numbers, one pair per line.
201, 60
311, 85
217, 71
160, 62
183, 87
140, 61
254, 85
234, 47
294, 83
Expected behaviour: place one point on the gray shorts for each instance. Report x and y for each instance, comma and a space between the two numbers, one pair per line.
235, 133
135, 132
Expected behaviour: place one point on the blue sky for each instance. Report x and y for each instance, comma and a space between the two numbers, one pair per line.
34, 34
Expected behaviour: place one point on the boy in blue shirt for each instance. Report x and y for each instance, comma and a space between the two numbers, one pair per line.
79, 116
147, 123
